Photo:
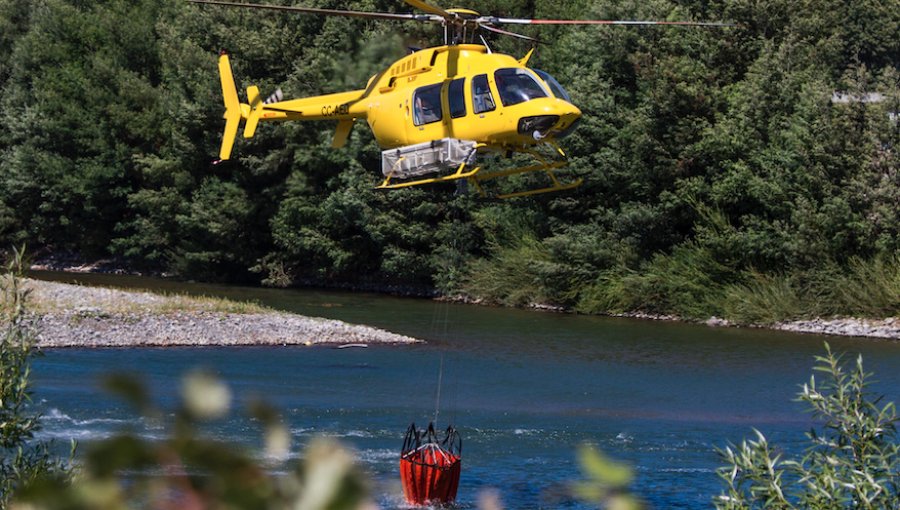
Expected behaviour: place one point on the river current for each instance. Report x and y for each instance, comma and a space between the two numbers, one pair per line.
525, 389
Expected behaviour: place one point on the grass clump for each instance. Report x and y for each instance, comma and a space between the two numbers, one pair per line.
691, 282
763, 299
685, 283
513, 276
181, 302
863, 288
52, 297
867, 287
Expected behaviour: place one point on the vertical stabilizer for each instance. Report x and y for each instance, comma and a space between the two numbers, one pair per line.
232, 106
256, 107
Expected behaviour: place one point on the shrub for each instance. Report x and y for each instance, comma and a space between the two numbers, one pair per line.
853, 462
763, 299
188, 470
687, 283
22, 459
868, 288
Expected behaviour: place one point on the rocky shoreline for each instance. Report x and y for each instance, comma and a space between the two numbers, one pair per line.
872, 328
79, 316
88, 321
888, 328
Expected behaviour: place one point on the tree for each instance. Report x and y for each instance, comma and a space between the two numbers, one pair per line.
718, 152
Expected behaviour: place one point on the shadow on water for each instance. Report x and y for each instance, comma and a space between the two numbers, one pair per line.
524, 387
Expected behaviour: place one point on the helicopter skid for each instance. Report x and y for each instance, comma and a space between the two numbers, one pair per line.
547, 168
461, 173
475, 176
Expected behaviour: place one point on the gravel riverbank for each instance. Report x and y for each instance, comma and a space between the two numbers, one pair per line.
79, 316
74, 315
888, 328
872, 328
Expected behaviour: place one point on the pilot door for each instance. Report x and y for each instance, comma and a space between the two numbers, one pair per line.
482, 121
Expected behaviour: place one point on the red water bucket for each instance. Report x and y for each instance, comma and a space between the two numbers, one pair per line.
430, 469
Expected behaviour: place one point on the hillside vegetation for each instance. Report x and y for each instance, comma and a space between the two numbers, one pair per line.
720, 176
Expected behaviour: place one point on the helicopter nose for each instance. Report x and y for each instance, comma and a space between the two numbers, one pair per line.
557, 120
568, 120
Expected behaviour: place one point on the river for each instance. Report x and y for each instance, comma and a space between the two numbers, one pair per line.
525, 389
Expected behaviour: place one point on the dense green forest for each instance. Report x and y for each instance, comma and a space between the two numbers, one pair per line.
721, 178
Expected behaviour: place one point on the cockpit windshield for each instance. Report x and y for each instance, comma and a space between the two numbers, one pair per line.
517, 85
557, 89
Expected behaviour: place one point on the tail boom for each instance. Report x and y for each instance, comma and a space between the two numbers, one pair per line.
344, 107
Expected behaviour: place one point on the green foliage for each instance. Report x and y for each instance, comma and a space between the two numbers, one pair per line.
608, 482
22, 458
515, 275
853, 462
521, 268
686, 283
764, 299
715, 161
869, 288
188, 470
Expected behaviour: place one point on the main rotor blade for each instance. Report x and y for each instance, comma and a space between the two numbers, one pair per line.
524, 21
431, 9
329, 12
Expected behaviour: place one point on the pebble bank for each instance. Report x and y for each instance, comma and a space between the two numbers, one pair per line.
78, 316
888, 328
873, 328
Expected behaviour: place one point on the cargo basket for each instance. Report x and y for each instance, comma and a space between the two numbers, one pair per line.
426, 158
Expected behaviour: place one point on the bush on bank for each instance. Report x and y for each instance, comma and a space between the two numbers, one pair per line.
23, 459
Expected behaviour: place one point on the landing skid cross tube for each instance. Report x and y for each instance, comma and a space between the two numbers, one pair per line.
462, 172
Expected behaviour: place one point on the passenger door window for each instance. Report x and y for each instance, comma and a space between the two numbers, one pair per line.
482, 99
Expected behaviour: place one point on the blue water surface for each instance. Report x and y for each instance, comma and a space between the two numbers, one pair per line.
524, 388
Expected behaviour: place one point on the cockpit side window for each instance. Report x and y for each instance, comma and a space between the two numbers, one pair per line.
427, 104
456, 98
482, 99
516, 86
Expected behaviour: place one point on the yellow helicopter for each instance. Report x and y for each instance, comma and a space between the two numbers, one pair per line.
435, 111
